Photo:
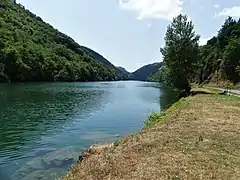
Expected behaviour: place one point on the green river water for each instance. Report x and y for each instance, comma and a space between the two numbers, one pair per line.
45, 126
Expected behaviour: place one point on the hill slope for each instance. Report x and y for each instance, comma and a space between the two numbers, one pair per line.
105, 62
32, 50
144, 72
123, 70
219, 58
157, 77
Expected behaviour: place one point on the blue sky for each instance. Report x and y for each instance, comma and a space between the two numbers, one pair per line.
129, 33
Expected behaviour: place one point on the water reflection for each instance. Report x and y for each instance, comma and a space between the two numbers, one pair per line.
167, 97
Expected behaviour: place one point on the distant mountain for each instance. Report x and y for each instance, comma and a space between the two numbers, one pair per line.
145, 72
105, 62
123, 70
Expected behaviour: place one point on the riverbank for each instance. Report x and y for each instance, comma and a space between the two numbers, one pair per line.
196, 138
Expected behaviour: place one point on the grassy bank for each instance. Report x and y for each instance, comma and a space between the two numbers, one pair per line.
196, 138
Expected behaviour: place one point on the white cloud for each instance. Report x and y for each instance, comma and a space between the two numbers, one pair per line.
234, 12
216, 6
204, 40
153, 9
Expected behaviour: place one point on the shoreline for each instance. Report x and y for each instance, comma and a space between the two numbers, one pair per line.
161, 146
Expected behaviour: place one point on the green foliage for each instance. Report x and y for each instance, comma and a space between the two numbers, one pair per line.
145, 72
180, 52
159, 118
32, 50
157, 77
153, 119
219, 58
120, 74
232, 60
118, 142
216, 62
163, 75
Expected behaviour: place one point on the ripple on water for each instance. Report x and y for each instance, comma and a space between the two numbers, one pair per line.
56, 115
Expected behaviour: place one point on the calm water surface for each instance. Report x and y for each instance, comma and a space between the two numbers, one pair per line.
44, 126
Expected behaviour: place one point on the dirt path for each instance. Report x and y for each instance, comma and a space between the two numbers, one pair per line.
232, 91
198, 138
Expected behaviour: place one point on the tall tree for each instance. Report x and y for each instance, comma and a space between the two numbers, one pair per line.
180, 52
232, 60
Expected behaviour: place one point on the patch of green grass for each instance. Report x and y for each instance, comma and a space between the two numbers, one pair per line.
153, 119
124, 139
159, 118
134, 134
231, 98
118, 142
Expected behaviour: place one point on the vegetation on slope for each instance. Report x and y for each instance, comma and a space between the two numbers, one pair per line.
157, 77
145, 72
123, 70
217, 61
196, 138
219, 58
106, 63
32, 50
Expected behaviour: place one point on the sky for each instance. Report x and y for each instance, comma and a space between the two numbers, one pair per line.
129, 33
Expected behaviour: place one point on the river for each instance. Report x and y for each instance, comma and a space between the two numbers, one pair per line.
44, 126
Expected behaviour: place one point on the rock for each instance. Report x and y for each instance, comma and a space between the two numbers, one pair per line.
93, 150
238, 85
36, 163
29, 167
60, 158
223, 93
42, 151
51, 174
85, 154
80, 158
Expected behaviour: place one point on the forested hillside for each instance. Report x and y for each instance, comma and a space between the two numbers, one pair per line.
185, 62
156, 77
145, 72
220, 57
105, 62
123, 70
32, 50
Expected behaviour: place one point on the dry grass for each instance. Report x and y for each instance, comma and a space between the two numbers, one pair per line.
204, 90
198, 139
221, 84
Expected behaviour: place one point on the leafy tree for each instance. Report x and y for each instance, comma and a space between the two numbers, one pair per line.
180, 52
218, 60
232, 60
219, 57
229, 30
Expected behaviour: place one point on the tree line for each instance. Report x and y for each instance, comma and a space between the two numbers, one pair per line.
32, 50
186, 62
